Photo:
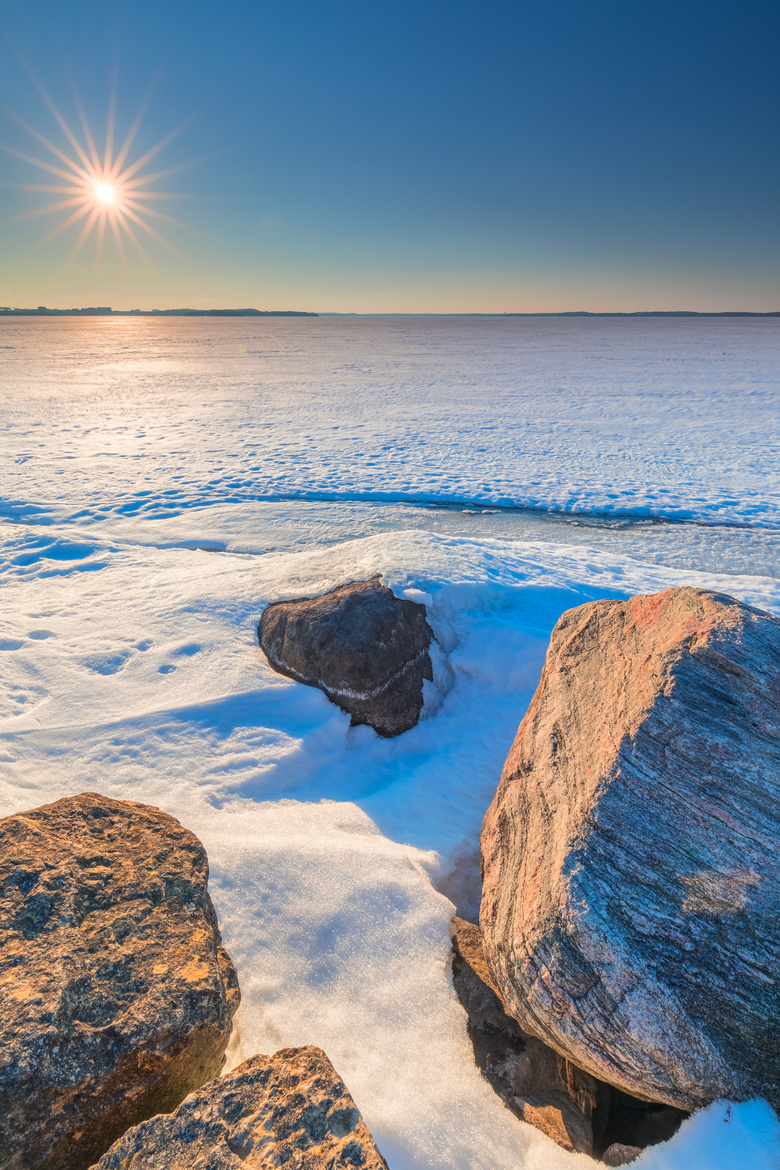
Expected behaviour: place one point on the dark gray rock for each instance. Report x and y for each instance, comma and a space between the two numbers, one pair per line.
291, 1109
631, 855
620, 1155
367, 649
117, 996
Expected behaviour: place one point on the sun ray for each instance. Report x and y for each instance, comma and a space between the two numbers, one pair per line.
71, 137
87, 132
101, 235
120, 244
135, 126
62, 227
35, 212
36, 162
166, 174
81, 241
155, 214
100, 190
150, 154
166, 195
39, 188
134, 239
110, 124
128, 213
60, 154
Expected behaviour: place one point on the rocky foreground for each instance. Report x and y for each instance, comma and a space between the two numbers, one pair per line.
117, 994
118, 1000
626, 968
291, 1109
631, 853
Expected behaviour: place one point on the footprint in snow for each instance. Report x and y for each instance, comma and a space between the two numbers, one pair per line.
107, 663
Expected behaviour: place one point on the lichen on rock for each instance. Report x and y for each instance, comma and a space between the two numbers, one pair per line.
291, 1109
118, 996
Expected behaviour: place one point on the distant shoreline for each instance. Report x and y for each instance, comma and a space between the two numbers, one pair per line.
107, 311
574, 313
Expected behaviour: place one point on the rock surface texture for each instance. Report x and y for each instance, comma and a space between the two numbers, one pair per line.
620, 1155
535, 1083
631, 855
367, 649
117, 995
291, 1109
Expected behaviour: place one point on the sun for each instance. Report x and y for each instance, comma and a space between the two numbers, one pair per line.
100, 189
105, 193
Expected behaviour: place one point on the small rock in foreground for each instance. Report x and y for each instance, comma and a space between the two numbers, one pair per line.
620, 1155
117, 995
631, 876
367, 649
291, 1109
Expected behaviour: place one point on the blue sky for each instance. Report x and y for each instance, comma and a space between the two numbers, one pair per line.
413, 156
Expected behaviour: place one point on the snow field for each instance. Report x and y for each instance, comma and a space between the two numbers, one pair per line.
654, 417
161, 481
329, 847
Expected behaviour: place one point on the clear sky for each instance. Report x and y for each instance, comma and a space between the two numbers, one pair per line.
419, 155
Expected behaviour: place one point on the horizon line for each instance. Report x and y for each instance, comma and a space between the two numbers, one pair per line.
107, 311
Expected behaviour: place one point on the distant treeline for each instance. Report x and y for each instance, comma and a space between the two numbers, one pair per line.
107, 311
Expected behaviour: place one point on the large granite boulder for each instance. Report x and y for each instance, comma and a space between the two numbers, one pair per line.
631, 856
291, 1109
117, 995
367, 649
540, 1086
533, 1081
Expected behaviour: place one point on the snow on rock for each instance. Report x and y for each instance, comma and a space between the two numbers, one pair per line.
367, 649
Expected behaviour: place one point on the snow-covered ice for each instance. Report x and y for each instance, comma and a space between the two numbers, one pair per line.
674, 418
158, 496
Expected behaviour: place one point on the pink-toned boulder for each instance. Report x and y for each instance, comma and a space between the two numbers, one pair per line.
631, 855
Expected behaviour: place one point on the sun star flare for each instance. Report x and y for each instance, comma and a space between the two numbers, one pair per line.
100, 190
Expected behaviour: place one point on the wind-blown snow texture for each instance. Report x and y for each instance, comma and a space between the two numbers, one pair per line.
674, 418
129, 662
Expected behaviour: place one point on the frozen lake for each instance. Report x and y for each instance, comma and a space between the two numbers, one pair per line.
162, 480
